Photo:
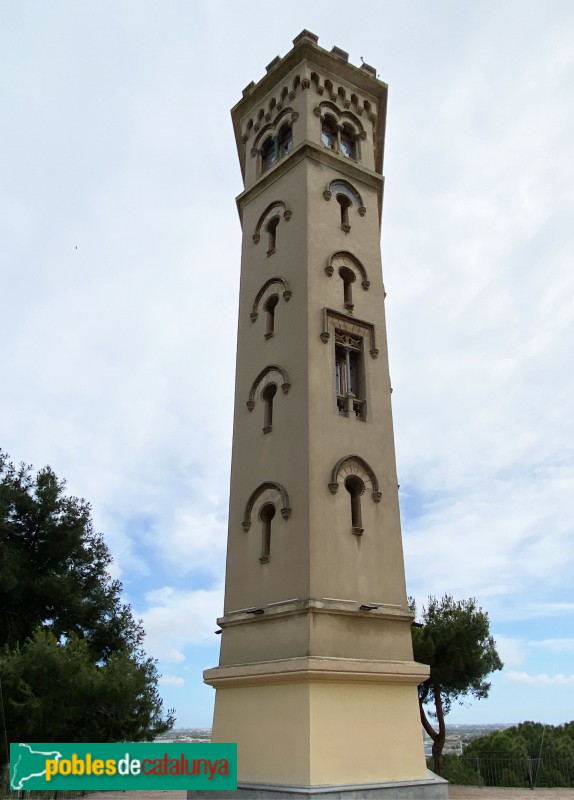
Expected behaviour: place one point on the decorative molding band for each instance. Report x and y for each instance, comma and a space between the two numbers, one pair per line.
360, 104
271, 491
340, 186
314, 668
325, 605
319, 154
343, 258
350, 325
272, 127
355, 465
326, 106
276, 205
282, 373
271, 282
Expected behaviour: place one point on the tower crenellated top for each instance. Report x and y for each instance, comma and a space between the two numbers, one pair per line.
312, 97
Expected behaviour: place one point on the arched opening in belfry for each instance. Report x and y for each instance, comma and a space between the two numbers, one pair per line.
348, 141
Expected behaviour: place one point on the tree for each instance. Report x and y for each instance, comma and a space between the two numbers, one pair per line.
71, 662
454, 639
532, 754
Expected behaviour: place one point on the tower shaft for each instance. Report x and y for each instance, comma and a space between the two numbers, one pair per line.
316, 680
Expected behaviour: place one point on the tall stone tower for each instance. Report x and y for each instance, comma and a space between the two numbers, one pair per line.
316, 681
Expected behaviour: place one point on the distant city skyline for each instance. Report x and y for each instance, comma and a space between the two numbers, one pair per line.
120, 267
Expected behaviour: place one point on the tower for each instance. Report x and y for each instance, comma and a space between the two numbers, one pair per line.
316, 681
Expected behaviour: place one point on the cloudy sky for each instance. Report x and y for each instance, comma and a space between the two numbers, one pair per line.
119, 258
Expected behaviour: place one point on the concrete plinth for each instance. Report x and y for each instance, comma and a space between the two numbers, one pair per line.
430, 788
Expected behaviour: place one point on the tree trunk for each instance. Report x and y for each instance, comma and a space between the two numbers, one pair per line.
438, 742
438, 737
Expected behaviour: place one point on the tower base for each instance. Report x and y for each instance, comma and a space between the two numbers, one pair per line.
324, 727
429, 788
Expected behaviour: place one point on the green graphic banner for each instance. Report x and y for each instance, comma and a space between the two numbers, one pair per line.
145, 765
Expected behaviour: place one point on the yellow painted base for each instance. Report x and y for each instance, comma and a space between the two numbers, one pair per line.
313, 733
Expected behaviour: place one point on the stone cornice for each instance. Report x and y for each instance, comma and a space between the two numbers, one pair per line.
322, 155
315, 668
325, 605
305, 49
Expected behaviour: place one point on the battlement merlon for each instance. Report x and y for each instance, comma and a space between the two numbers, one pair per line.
327, 67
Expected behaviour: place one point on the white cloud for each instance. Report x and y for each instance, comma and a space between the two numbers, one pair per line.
174, 619
510, 650
554, 645
541, 679
119, 356
171, 680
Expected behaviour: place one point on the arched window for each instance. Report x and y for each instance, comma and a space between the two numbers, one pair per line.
348, 278
268, 395
269, 309
348, 141
329, 133
284, 140
268, 154
266, 514
276, 146
346, 196
272, 233
355, 486
338, 132
345, 204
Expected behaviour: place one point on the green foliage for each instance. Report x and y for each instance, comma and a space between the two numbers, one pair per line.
71, 663
53, 573
529, 754
527, 740
461, 771
454, 639
55, 690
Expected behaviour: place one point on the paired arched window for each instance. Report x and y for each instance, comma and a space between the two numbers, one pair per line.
276, 147
268, 156
284, 140
348, 141
329, 133
340, 139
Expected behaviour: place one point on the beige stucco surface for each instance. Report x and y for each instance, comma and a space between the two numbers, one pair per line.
316, 681
318, 733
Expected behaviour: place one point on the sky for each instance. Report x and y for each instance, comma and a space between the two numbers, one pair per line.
119, 280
